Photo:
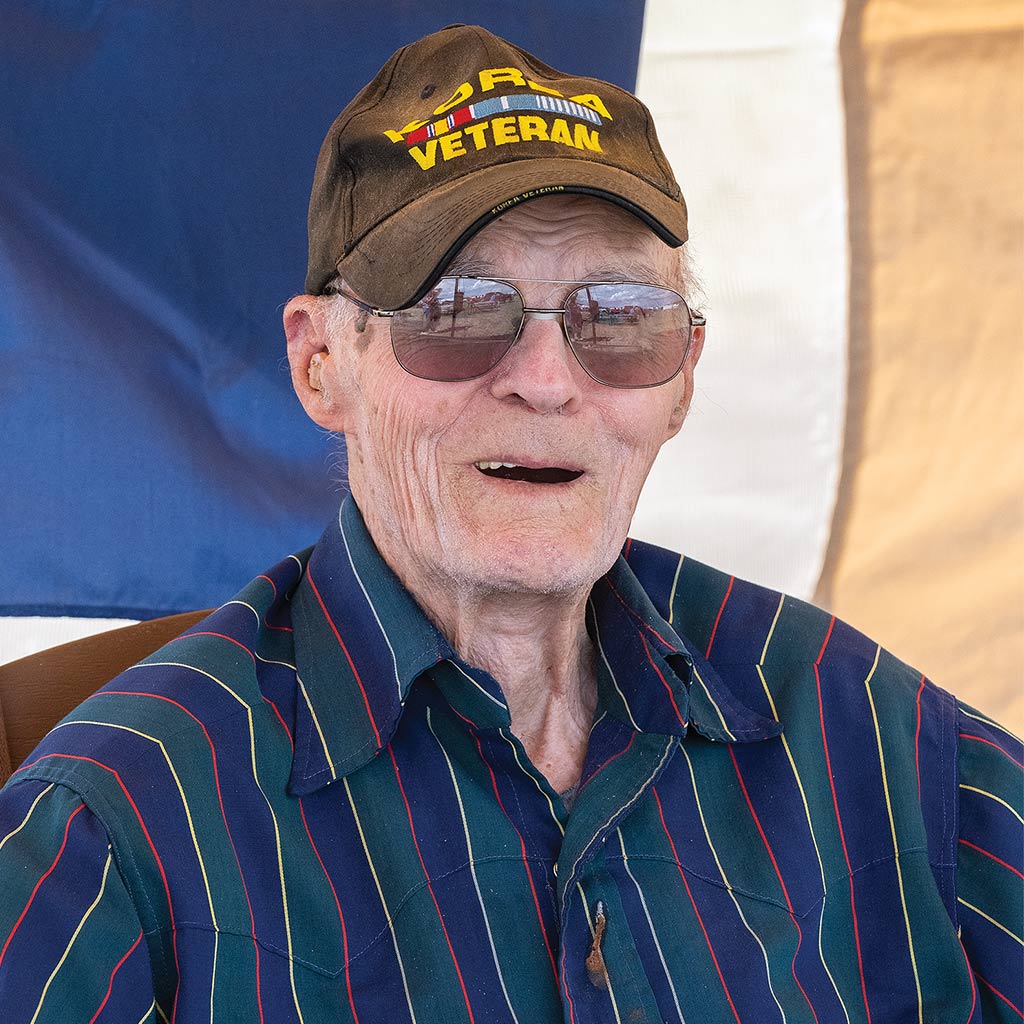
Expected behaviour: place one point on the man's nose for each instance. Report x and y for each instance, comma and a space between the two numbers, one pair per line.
540, 369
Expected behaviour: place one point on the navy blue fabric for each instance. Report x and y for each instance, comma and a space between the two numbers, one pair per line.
155, 163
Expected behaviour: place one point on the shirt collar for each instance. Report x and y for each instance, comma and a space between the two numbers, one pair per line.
655, 679
361, 641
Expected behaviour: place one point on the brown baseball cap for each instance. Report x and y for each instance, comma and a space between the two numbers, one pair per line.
454, 130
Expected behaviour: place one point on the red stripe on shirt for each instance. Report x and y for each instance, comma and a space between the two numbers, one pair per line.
222, 636
341, 916
974, 988
320, 861
351, 663
998, 860
992, 988
604, 764
113, 974
643, 625
917, 739
522, 845
664, 682
430, 888
981, 739
839, 819
778, 874
149, 843
46, 875
700, 920
718, 618
223, 814
283, 629
565, 988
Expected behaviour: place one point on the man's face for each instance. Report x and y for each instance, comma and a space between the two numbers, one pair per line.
416, 446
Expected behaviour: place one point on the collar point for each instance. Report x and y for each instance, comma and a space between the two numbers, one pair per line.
302, 782
754, 730
302, 785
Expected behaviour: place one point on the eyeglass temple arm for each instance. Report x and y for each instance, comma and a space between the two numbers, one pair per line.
364, 306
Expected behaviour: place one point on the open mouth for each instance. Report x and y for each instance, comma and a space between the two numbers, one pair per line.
543, 475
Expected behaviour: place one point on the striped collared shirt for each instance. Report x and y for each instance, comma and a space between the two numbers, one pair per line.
308, 808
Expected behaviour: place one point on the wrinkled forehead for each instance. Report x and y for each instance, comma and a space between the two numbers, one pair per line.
568, 237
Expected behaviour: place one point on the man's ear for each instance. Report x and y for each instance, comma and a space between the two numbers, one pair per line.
682, 407
313, 356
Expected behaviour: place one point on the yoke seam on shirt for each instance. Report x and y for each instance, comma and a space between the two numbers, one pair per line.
419, 887
830, 883
202, 926
329, 972
263, 943
717, 882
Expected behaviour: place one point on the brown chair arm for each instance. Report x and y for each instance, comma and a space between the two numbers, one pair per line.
37, 691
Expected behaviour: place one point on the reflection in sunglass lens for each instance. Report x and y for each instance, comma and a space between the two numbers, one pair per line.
625, 334
628, 335
459, 330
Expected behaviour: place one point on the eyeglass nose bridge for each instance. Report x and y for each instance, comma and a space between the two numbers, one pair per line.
540, 313
543, 314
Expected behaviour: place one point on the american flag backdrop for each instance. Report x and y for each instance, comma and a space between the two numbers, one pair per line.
854, 179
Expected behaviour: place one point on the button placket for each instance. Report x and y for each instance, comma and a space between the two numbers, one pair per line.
605, 800
604, 978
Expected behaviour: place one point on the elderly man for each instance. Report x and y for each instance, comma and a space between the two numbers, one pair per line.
476, 756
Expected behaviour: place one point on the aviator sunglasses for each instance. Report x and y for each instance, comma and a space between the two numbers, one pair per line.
623, 333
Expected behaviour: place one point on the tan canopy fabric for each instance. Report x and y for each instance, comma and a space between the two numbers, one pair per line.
927, 548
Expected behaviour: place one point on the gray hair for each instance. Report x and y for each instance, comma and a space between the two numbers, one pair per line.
341, 313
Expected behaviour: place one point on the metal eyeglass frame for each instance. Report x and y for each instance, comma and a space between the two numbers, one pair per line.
697, 319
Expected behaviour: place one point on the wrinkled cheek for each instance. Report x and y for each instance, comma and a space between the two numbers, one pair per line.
403, 463
635, 465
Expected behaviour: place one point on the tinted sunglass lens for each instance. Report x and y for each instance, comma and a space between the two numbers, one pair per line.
459, 330
628, 335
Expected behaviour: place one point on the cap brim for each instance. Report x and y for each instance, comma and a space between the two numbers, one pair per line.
397, 262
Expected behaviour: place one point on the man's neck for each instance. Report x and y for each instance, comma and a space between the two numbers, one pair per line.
537, 648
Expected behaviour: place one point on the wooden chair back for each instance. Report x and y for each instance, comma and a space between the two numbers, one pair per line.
37, 691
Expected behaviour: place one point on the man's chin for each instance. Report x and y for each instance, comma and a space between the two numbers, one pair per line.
544, 570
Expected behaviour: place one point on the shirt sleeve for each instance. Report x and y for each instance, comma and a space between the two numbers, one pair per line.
990, 863
71, 946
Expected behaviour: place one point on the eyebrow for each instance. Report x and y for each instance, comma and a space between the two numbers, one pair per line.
468, 266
